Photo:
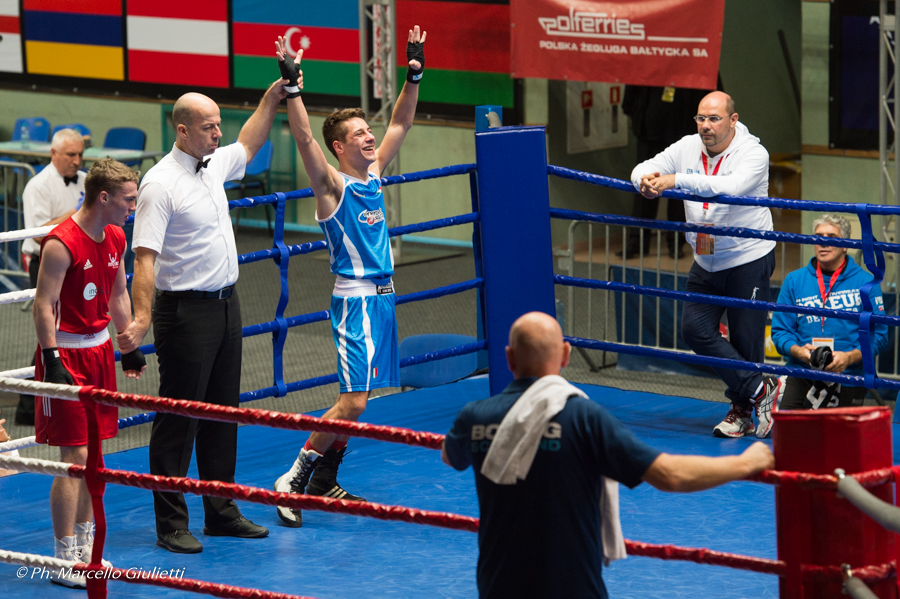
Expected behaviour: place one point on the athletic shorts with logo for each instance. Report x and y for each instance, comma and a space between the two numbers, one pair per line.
364, 325
90, 360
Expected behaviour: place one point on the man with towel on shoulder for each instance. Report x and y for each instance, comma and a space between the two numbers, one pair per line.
542, 452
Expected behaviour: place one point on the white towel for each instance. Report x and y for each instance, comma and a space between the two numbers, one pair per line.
517, 438
516, 442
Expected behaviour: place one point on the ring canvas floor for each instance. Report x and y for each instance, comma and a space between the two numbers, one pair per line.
335, 556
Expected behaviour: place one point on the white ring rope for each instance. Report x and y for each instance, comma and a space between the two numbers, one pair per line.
30, 559
35, 466
38, 389
14, 444
19, 373
16, 296
25, 233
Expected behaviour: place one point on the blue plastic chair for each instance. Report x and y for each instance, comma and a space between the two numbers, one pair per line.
38, 129
126, 138
85, 132
258, 171
439, 372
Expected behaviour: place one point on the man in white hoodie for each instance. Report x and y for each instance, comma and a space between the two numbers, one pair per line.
723, 159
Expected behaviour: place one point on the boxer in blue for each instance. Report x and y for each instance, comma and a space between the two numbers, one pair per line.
350, 210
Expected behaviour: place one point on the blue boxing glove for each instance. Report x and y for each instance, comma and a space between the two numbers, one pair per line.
290, 70
415, 51
54, 370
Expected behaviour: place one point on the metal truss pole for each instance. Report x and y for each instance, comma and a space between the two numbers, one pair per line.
378, 72
888, 117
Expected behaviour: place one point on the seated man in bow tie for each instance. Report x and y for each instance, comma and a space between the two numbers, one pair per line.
49, 198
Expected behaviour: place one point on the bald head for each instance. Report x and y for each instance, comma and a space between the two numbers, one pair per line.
188, 106
536, 347
713, 100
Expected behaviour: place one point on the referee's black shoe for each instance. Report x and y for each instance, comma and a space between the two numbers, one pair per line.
240, 527
179, 541
324, 480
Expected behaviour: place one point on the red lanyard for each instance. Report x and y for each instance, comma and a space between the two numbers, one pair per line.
706, 172
834, 279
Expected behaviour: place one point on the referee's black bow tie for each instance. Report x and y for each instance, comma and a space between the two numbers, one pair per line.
202, 164
73, 180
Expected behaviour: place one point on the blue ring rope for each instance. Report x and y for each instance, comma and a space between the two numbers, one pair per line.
567, 173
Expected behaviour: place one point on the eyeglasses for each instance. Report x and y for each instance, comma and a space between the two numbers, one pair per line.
712, 119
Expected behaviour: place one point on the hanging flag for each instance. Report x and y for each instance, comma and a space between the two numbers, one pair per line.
178, 42
637, 42
466, 50
74, 38
328, 34
10, 37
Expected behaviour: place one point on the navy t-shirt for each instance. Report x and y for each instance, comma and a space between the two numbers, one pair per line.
541, 536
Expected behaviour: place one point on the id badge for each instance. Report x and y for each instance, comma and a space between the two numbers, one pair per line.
823, 342
705, 244
668, 94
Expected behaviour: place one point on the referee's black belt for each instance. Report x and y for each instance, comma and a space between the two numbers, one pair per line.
223, 293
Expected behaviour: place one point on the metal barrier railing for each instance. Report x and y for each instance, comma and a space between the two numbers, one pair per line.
13, 178
650, 274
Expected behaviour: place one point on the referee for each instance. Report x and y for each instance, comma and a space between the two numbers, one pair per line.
183, 231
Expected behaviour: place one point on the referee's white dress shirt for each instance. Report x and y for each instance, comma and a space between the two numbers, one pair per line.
182, 214
46, 196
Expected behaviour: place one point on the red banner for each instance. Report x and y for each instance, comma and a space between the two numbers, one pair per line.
638, 42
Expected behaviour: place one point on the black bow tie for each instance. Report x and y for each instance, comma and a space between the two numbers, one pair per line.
73, 180
202, 164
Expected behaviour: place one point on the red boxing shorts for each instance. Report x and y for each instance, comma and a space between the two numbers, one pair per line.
90, 360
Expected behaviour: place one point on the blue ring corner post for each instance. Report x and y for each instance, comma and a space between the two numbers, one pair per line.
516, 246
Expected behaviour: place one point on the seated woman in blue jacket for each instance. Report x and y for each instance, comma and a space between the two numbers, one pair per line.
831, 280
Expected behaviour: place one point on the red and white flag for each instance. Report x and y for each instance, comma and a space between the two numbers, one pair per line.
638, 42
10, 37
176, 42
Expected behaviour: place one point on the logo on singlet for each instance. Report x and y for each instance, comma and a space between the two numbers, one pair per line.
88, 265
370, 217
90, 291
113, 260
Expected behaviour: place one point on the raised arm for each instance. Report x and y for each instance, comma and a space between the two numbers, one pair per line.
405, 108
688, 473
323, 178
256, 130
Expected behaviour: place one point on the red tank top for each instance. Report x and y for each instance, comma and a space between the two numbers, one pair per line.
83, 306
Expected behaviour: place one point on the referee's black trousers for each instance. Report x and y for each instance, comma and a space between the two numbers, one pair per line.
198, 343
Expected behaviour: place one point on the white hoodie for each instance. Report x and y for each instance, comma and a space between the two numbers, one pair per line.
743, 170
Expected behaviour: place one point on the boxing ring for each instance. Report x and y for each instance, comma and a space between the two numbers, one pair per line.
514, 274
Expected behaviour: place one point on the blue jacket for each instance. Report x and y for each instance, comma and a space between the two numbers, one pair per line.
801, 288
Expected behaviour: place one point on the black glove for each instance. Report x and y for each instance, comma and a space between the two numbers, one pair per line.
415, 51
54, 370
133, 361
290, 71
820, 357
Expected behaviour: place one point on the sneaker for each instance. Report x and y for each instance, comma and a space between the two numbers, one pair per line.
66, 548
324, 480
295, 480
737, 423
84, 541
767, 404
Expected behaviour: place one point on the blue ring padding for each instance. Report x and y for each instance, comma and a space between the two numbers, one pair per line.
730, 231
323, 380
808, 373
567, 173
720, 301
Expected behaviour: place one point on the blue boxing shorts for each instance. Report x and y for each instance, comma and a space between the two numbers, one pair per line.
364, 325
